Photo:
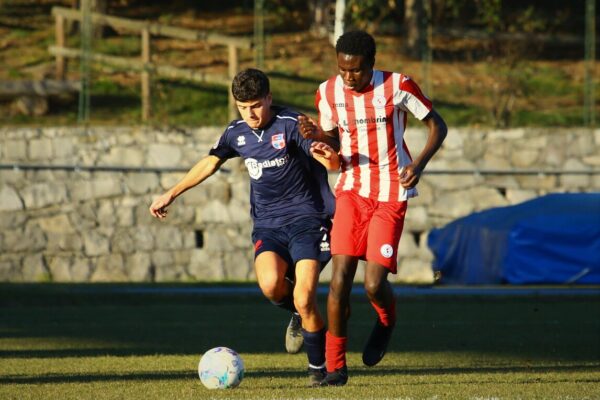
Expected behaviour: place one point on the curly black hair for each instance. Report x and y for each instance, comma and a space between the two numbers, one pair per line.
250, 84
357, 43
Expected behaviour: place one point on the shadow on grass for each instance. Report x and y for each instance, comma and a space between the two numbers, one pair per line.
114, 100
50, 321
67, 353
86, 378
377, 372
475, 370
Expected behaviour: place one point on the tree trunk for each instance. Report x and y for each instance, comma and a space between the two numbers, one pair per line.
320, 9
414, 14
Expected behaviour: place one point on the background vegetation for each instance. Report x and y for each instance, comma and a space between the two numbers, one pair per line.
495, 63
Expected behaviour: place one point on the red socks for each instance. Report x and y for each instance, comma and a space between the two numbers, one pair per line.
335, 351
387, 317
335, 347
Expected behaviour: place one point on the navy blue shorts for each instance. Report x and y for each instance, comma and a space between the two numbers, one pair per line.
306, 238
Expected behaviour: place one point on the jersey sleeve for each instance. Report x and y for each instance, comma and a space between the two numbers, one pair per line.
302, 143
325, 112
222, 147
409, 97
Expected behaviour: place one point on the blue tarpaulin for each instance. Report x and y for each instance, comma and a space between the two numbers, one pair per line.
554, 239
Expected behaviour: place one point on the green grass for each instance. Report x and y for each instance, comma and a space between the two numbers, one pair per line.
461, 114
17, 33
92, 341
124, 46
548, 81
295, 92
566, 117
189, 104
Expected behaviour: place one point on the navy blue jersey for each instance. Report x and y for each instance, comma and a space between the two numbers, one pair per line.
286, 183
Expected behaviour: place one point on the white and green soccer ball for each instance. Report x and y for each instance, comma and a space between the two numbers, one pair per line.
221, 368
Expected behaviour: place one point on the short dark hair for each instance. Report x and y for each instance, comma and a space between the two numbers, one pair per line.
357, 43
250, 84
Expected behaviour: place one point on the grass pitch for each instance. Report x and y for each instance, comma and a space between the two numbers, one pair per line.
108, 341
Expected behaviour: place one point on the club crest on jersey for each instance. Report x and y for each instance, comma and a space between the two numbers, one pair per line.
241, 141
379, 101
278, 141
387, 250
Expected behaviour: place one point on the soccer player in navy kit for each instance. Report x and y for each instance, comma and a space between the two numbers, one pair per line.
291, 206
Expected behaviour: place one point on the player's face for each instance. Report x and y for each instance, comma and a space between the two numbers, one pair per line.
355, 71
256, 113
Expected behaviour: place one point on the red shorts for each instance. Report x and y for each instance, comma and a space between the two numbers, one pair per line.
368, 229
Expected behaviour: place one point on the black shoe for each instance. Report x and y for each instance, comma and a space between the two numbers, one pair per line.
377, 344
293, 335
337, 378
315, 376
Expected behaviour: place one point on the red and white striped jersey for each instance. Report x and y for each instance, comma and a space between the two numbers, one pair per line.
371, 126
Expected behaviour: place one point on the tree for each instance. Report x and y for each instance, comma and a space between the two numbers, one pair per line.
321, 11
414, 17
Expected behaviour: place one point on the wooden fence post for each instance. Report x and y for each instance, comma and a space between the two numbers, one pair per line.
145, 66
233, 70
145, 75
60, 42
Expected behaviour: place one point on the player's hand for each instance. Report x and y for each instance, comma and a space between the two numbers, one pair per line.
410, 175
158, 208
307, 127
320, 149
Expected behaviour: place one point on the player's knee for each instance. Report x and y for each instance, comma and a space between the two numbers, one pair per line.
271, 292
303, 306
305, 302
339, 284
372, 288
272, 288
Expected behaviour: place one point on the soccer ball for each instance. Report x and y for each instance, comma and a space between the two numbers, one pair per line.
221, 368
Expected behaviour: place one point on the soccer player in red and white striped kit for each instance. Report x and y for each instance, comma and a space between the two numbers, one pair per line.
366, 110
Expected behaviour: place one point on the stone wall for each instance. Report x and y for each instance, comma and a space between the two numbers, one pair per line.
74, 225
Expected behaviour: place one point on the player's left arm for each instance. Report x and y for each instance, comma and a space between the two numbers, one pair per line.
411, 173
326, 155
320, 150
309, 129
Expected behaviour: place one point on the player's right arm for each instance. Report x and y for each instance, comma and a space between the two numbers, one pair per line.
198, 173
